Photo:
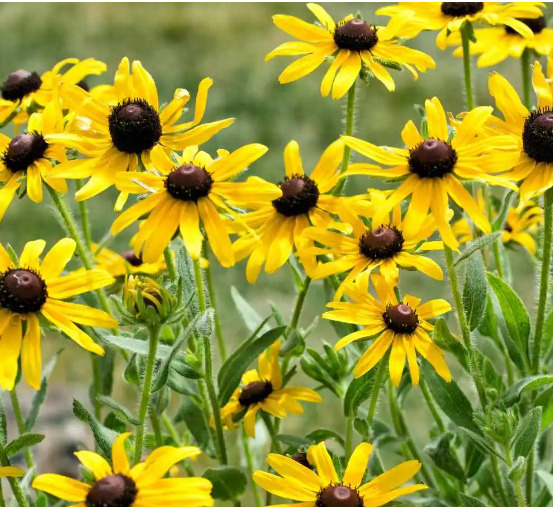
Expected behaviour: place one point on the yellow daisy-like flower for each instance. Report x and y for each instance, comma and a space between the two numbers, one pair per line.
277, 225
262, 390
354, 44
388, 244
24, 89
29, 156
29, 289
114, 137
496, 44
402, 326
120, 485
323, 487
449, 17
432, 170
186, 192
121, 264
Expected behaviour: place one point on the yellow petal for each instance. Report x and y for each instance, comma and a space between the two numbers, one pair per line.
62, 487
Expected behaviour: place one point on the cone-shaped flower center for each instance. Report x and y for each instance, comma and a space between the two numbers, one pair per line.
381, 243
356, 35
112, 491
338, 496
537, 135
20, 83
458, 9
134, 126
432, 159
23, 150
22, 291
401, 318
188, 183
299, 195
132, 259
255, 392
535, 24
301, 458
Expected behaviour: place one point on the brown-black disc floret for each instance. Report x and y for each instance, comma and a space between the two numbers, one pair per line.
432, 158
299, 195
537, 25
188, 183
355, 35
112, 491
537, 135
20, 83
401, 318
255, 392
381, 243
458, 9
338, 495
22, 291
23, 150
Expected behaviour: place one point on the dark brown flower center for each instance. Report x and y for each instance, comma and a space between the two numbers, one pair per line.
299, 195
255, 392
23, 150
112, 491
356, 35
338, 496
188, 183
22, 291
381, 243
20, 83
84, 85
535, 24
401, 318
132, 259
508, 227
432, 159
537, 135
458, 9
301, 458
134, 126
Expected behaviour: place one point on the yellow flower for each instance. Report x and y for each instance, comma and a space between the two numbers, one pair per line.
24, 89
496, 44
277, 225
29, 156
115, 137
387, 244
120, 264
355, 45
324, 488
120, 485
431, 170
29, 289
262, 390
402, 326
449, 17
186, 192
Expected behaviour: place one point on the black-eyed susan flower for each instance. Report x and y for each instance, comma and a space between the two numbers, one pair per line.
449, 17
28, 157
120, 485
401, 326
113, 138
23, 89
493, 45
323, 487
186, 192
388, 244
125, 263
262, 390
29, 289
277, 225
354, 44
432, 170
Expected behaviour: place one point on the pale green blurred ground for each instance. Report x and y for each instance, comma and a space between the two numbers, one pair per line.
182, 43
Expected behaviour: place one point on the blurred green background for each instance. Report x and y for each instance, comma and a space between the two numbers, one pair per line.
182, 43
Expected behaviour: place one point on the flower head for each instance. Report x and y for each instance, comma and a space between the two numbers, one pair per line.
401, 327
120, 485
262, 390
29, 289
124, 263
432, 170
323, 487
353, 44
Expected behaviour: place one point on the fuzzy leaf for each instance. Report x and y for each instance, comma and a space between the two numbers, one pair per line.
474, 291
440, 453
102, 435
527, 432
22, 442
121, 411
358, 391
194, 419
445, 340
250, 317
477, 244
525, 385
228, 482
470, 501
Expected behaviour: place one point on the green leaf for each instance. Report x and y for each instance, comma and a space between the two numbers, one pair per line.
123, 412
477, 244
107, 364
481, 442
525, 385
442, 456
250, 317
293, 440
3, 422
547, 479
473, 459
228, 482
450, 398
445, 340
358, 391
194, 419
237, 363
132, 371
527, 432
22, 442
102, 435
321, 434
515, 314
40, 395
470, 501
474, 291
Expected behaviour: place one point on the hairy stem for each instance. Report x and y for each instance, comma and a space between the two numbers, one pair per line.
467, 67
249, 461
375, 392
526, 78
213, 298
171, 269
348, 131
20, 424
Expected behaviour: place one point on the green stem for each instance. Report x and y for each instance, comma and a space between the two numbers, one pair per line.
463, 324
544, 279
375, 392
521, 502
497, 478
249, 461
2, 501
348, 131
530, 475
20, 424
85, 222
199, 285
96, 385
146, 392
212, 297
497, 257
348, 446
300, 300
432, 405
171, 269
526, 78
156, 426
14, 483
272, 433
467, 67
